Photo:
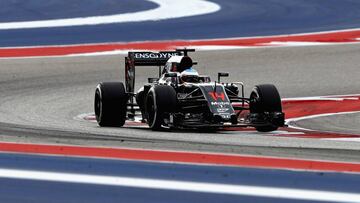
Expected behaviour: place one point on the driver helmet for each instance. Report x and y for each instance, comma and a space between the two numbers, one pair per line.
189, 75
185, 63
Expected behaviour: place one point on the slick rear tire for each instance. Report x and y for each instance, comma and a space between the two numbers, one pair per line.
265, 98
161, 99
110, 104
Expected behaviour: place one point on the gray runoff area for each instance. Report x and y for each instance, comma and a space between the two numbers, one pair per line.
41, 96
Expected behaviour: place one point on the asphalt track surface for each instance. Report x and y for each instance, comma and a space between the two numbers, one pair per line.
41, 96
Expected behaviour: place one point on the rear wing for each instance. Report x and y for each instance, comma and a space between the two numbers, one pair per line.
158, 59
151, 58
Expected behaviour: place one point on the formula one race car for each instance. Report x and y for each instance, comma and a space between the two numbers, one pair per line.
181, 98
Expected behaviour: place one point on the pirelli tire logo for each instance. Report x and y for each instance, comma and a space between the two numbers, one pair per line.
148, 55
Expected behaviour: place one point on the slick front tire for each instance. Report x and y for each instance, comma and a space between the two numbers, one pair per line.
110, 104
161, 99
265, 99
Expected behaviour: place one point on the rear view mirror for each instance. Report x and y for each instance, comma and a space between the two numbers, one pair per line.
222, 74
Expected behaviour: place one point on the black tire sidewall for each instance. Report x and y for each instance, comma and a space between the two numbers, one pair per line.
164, 101
113, 100
265, 98
268, 99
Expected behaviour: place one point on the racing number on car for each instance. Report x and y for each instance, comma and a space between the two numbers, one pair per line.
216, 95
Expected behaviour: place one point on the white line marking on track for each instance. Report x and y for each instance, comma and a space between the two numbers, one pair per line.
104, 53
294, 43
258, 191
347, 139
167, 9
325, 98
217, 47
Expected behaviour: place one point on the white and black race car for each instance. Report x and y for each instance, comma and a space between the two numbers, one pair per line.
180, 98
